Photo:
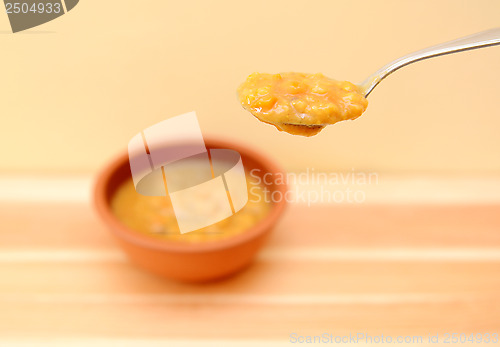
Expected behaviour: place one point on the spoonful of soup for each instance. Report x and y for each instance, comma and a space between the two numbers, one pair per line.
303, 104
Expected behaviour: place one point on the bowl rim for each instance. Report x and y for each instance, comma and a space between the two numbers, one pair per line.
130, 235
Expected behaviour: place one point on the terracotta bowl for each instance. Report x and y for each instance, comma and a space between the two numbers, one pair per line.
196, 262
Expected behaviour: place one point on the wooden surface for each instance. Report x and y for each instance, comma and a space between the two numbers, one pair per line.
374, 269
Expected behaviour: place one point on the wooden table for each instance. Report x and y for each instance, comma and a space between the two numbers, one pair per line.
398, 270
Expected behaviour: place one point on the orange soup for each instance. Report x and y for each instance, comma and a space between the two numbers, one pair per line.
299, 103
154, 215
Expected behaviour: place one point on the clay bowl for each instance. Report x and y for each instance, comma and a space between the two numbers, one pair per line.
197, 262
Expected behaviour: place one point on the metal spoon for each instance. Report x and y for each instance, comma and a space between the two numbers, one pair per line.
483, 39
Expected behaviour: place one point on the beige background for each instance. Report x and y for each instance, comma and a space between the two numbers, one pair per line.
75, 90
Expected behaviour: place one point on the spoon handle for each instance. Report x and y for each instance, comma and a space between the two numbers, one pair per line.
483, 39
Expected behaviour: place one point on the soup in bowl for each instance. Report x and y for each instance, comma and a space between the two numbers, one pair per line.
146, 226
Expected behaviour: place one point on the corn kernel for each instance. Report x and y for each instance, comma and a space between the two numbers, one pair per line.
294, 87
299, 105
250, 98
319, 89
263, 90
348, 86
266, 102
